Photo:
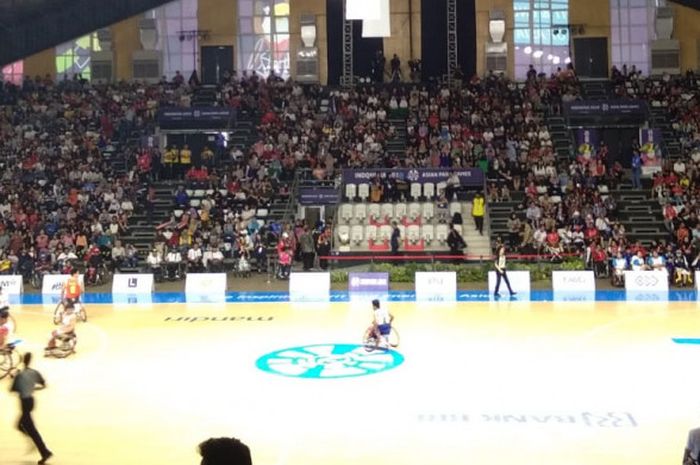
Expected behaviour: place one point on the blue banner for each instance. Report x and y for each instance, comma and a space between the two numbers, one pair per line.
320, 195
606, 108
467, 176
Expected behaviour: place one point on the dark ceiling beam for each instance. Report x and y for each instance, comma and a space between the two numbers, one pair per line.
61, 21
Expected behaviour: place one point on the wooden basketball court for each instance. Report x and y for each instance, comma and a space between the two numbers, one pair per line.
478, 383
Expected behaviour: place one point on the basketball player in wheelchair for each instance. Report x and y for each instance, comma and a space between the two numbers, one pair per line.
63, 339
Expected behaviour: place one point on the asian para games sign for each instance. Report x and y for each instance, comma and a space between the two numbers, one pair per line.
467, 176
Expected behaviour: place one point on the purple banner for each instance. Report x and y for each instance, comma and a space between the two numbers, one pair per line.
368, 282
467, 176
650, 136
606, 108
319, 195
650, 146
587, 141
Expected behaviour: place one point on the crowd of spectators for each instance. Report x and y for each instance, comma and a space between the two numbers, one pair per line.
61, 202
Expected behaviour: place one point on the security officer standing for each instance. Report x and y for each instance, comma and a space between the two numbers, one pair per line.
478, 212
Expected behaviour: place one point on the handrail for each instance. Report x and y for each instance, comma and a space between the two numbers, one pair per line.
465, 257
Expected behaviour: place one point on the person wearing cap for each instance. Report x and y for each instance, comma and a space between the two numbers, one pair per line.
381, 323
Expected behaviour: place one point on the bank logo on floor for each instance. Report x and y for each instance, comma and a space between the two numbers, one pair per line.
324, 361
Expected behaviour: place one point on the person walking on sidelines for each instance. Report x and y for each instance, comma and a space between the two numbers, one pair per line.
500, 266
478, 212
24, 385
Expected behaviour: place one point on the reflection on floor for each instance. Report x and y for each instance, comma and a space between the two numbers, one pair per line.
479, 384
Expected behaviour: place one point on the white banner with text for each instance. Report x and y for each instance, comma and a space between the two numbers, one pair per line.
440, 286
309, 287
205, 284
12, 284
573, 281
646, 281
53, 283
132, 283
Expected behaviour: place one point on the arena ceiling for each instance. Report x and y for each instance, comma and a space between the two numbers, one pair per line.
30, 26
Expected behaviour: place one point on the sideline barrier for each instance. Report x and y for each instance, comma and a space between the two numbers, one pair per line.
53, 283
12, 284
132, 284
436, 286
573, 286
646, 281
210, 285
310, 287
519, 282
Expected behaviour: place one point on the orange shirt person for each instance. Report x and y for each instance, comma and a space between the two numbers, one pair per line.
72, 289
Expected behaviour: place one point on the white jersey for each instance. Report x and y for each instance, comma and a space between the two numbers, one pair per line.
381, 316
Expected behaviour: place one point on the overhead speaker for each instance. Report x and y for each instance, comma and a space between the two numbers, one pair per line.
148, 34
664, 23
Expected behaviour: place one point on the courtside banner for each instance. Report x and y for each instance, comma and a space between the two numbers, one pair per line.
572, 281
132, 283
205, 284
309, 287
53, 283
12, 284
646, 281
368, 282
440, 286
519, 282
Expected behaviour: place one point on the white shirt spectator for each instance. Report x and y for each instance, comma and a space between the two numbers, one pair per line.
194, 254
679, 167
154, 259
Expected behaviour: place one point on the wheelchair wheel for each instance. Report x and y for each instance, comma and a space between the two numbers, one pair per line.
58, 313
82, 314
5, 363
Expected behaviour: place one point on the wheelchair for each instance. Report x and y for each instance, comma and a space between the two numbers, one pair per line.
65, 346
10, 359
371, 343
79, 311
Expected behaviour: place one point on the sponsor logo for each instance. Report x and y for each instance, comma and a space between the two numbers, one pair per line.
327, 361
413, 175
646, 280
57, 286
132, 282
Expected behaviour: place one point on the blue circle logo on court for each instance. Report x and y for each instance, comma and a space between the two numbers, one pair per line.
325, 361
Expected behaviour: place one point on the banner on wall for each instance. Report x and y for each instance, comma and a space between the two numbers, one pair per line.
437, 286
198, 114
650, 147
467, 176
587, 142
12, 284
519, 282
310, 287
53, 283
606, 108
205, 284
321, 195
132, 283
646, 281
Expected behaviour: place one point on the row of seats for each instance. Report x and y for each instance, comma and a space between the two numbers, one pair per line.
361, 235
202, 193
418, 191
362, 212
260, 213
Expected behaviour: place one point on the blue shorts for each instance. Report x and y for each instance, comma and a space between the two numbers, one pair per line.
384, 329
